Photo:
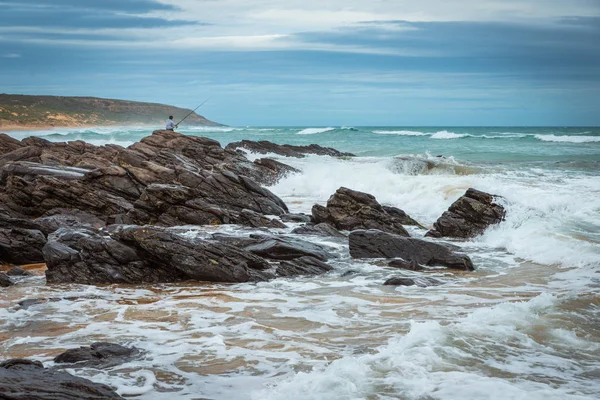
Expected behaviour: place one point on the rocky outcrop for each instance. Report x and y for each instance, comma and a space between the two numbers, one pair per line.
132, 254
302, 266
18, 271
468, 216
378, 244
295, 217
288, 150
166, 178
274, 171
350, 209
29, 380
97, 355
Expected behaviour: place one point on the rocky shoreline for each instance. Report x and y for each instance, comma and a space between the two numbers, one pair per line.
110, 214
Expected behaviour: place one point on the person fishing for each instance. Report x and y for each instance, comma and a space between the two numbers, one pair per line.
171, 125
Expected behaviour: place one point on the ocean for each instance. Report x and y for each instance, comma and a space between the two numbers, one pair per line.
524, 325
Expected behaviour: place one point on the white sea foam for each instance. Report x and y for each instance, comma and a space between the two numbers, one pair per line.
568, 139
402, 133
448, 135
312, 131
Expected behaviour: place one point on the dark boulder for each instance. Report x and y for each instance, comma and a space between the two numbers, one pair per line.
98, 355
29, 380
349, 210
285, 248
5, 280
468, 216
132, 254
302, 266
419, 281
21, 246
266, 147
378, 244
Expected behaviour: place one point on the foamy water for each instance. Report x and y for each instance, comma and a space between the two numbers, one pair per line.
524, 325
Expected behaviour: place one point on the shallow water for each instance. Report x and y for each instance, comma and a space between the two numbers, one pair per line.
525, 324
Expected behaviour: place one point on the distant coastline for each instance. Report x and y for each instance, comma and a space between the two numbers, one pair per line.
24, 112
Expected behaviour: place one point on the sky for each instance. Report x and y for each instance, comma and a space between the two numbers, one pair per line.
316, 62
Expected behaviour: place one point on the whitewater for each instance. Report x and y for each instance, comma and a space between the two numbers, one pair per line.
524, 325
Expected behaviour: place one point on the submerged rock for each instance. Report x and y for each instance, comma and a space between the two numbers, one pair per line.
97, 355
403, 264
322, 229
303, 266
419, 281
266, 147
378, 244
350, 209
18, 271
468, 216
29, 380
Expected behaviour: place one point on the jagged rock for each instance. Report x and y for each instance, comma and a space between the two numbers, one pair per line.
5, 280
132, 254
275, 171
21, 246
266, 147
8, 144
38, 176
18, 271
403, 264
405, 281
322, 229
58, 217
295, 218
349, 210
468, 216
302, 266
29, 380
98, 355
378, 244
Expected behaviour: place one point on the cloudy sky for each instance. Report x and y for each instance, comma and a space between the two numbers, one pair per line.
316, 62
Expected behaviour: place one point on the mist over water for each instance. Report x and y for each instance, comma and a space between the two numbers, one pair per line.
525, 324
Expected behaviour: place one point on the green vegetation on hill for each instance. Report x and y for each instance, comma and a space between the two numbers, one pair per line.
43, 111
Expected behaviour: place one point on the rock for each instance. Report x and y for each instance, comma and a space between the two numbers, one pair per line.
8, 144
266, 147
275, 171
302, 266
21, 246
132, 254
29, 380
58, 217
403, 264
468, 216
18, 271
420, 281
295, 218
349, 210
98, 355
322, 229
283, 248
5, 280
378, 244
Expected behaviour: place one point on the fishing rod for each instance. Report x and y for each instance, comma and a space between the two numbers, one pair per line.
191, 112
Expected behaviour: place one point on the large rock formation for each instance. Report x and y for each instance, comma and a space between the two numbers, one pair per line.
378, 244
350, 209
288, 150
468, 216
132, 254
166, 178
29, 380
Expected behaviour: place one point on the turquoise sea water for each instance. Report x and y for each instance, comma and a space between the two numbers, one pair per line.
524, 325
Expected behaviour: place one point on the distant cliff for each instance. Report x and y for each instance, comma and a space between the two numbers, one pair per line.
30, 112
